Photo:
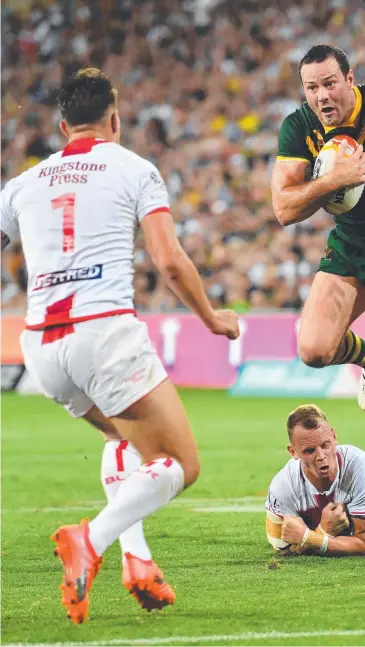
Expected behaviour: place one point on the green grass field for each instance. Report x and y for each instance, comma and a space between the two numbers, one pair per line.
210, 543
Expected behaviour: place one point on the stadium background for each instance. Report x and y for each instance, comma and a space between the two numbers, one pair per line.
204, 86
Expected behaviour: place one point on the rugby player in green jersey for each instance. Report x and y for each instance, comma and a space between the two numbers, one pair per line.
334, 106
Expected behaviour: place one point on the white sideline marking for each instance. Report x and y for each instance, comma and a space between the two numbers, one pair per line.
171, 640
238, 504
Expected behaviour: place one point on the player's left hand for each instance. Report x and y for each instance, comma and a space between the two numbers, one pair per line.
334, 519
293, 529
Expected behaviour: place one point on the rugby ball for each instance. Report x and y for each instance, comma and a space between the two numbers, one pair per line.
344, 199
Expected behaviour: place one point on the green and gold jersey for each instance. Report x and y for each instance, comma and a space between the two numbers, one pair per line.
302, 136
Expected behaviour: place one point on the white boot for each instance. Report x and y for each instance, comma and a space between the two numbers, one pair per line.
361, 391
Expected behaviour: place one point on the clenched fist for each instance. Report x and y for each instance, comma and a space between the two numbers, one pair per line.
334, 519
225, 322
293, 529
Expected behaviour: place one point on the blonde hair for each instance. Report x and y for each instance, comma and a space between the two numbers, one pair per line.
307, 415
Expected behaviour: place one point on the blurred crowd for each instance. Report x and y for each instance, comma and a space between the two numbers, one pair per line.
203, 88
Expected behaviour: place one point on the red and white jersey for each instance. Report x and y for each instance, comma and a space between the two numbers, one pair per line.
76, 214
292, 493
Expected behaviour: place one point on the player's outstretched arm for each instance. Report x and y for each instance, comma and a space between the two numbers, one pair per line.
181, 275
295, 198
294, 531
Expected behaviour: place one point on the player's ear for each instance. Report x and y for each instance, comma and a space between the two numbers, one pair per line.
64, 129
292, 451
334, 434
350, 78
115, 123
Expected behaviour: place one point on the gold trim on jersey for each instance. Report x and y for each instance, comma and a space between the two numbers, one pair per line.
281, 158
319, 138
361, 137
311, 146
354, 115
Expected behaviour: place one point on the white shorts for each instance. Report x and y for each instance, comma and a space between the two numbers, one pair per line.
108, 362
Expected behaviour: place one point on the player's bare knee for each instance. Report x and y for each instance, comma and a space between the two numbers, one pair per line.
187, 456
314, 356
191, 467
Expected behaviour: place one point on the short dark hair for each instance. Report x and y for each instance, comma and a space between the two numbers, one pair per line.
85, 97
308, 415
320, 53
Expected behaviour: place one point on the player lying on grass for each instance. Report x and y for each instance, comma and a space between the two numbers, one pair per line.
334, 106
316, 503
76, 214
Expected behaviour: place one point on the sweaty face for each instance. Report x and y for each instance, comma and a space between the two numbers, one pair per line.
328, 92
316, 449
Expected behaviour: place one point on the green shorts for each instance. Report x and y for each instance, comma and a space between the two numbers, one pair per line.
343, 257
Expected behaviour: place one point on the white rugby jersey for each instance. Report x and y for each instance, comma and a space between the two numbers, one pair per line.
292, 493
76, 214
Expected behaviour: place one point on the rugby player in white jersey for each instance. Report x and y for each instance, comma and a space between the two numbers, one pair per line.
316, 503
76, 214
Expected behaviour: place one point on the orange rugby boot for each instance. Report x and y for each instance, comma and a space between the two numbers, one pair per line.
145, 582
81, 565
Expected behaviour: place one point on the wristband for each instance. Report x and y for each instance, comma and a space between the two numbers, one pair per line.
324, 547
312, 539
320, 529
305, 537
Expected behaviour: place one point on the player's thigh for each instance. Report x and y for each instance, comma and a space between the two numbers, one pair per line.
327, 314
97, 419
128, 385
122, 364
44, 363
158, 426
359, 305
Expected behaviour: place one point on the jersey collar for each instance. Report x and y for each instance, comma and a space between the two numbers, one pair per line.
82, 145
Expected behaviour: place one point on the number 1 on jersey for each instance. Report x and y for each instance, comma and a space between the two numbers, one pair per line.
67, 203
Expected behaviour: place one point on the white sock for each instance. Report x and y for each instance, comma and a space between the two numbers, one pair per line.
119, 460
142, 493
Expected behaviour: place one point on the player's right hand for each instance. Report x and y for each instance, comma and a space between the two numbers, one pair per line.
334, 519
225, 322
349, 171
